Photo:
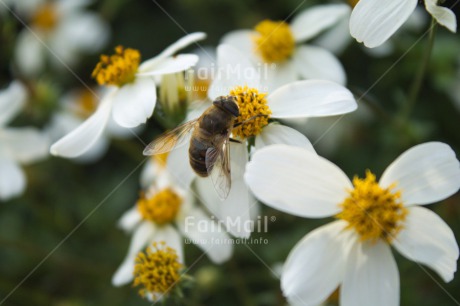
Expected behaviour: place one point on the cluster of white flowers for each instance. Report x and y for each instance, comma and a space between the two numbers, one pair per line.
274, 78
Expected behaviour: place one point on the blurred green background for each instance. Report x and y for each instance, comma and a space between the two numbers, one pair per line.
57, 213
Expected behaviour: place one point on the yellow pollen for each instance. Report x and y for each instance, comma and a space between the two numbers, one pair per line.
161, 208
86, 103
274, 41
372, 211
253, 109
46, 17
157, 270
118, 69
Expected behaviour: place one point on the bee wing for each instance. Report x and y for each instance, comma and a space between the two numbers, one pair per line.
218, 166
170, 140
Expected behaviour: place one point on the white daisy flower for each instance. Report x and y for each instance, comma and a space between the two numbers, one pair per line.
279, 43
17, 145
372, 22
354, 251
158, 271
237, 76
131, 95
64, 27
165, 213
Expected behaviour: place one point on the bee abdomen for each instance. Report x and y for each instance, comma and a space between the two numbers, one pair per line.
197, 154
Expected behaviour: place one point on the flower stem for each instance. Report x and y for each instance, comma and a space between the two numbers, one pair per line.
417, 83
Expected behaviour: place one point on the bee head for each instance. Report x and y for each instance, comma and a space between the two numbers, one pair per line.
227, 104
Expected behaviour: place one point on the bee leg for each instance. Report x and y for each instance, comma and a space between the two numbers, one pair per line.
247, 120
234, 140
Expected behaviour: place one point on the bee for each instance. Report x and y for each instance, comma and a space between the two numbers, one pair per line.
209, 150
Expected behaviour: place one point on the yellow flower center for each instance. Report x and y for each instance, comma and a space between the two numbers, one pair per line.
274, 41
161, 159
46, 17
253, 109
161, 208
157, 270
118, 69
353, 3
372, 211
200, 88
86, 103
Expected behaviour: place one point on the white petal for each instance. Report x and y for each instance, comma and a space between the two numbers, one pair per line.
170, 235
170, 65
95, 152
130, 219
29, 52
65, 7
275, 76
149, 173
140, 238
24, 145
183, 43
65, 122
336, 39
178, 166
169, 51
312, 21
12, 100
311, 98
234, 69
84, 31
134, 103
207, 234
424, 174
319, 64
297, 181
235, 210
124, 274
371, 276
373, 21
315, 266
280, 134
443, 15
240, 39
87, 134
207, 195
12, 179
427, 239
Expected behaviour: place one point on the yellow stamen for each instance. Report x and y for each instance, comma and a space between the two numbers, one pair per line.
86, 103
161, 208
118, 69
372, 211
46, 17
157, 270
274, 41
253, 109
353, 3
